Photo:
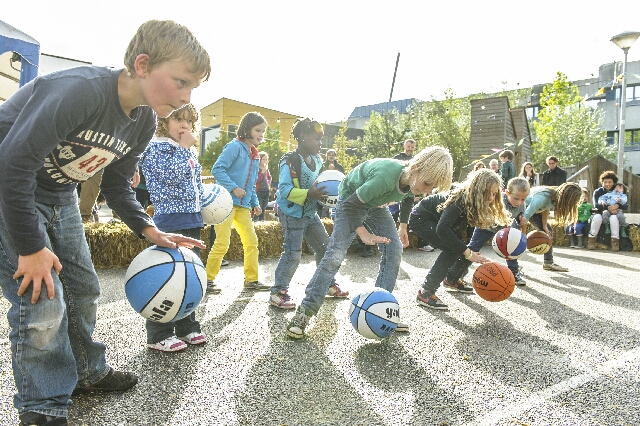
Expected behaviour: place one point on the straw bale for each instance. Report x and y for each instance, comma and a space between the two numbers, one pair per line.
113, 245
634, 236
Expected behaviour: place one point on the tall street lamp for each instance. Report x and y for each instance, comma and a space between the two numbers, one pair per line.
624, 41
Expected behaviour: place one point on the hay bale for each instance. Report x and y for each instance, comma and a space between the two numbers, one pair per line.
634, 236
113, 245
270, 241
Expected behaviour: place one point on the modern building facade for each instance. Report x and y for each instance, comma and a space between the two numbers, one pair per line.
604, 92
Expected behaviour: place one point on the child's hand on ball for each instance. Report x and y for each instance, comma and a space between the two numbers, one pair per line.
316, 193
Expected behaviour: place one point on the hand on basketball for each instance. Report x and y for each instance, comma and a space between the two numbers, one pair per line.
35, 268
523, 222
316, 193
239, 192
164, 239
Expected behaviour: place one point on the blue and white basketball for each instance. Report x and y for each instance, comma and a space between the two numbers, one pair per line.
509, 243
216, 204
375, 314
330, 179
164, 284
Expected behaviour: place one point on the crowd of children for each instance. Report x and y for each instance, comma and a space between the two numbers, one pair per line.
49, 141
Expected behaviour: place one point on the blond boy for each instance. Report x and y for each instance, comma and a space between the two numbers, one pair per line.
58, 130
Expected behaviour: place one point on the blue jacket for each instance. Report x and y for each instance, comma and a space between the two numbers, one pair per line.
237, 167
292, 193
173, 177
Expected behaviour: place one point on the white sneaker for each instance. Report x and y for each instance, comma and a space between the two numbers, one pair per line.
170, 344
426, 248
194, 338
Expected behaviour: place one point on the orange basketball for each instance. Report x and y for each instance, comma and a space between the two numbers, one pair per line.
493, 282
538, 242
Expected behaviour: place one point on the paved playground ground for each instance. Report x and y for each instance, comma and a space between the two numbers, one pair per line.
564, 350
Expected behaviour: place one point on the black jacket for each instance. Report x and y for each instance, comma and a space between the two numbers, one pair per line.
554, 177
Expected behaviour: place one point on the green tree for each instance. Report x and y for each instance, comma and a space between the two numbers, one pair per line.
385, 134
566, 127
343, 147
212, 151
445, 123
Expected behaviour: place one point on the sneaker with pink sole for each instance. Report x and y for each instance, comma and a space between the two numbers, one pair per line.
194, 338
282, 300
170, 344
334, 291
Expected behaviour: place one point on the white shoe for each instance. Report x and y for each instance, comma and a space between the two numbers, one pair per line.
426, 248
170, 344
194, 338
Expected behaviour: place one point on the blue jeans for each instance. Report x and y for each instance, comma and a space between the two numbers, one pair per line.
158, 331
379, 222
51, 345
295, 230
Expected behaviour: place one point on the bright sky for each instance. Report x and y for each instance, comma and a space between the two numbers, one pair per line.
323, 58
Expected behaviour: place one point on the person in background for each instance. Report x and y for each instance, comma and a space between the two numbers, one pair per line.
140, 186
263, 185
478, 165
554, 175
608, 179
89, 191
332, 163
529, 174
409, 147
493, 165
617, 196
507, 169
575, 230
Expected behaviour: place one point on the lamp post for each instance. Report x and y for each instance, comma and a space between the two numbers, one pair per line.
624, 41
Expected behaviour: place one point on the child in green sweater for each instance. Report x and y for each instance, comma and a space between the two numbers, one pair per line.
574, 230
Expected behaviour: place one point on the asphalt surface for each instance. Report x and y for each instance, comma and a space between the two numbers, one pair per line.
564, 350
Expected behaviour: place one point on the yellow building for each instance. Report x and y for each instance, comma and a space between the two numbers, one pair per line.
224, 116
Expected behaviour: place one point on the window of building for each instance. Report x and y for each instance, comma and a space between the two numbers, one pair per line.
231, 130
631, 138
633, 93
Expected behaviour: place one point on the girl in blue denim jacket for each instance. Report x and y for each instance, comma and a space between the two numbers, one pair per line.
172, 173
236, 169
297, 200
